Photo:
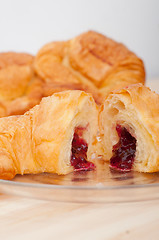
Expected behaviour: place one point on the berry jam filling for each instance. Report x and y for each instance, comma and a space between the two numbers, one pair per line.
123, 151
79, 152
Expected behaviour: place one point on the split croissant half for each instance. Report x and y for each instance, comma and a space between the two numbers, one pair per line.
129, 124
56, 136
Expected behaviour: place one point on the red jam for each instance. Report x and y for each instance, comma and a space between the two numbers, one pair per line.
79, 153
123, 151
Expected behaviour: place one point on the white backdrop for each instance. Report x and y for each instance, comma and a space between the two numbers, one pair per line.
27, 25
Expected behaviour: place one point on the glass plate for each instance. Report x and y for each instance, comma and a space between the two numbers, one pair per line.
99, 186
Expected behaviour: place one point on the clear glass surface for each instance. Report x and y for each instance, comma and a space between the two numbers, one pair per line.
99, 186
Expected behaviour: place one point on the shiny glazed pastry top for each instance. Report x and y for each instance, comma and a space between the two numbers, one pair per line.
91, 62
20, 88
129, 125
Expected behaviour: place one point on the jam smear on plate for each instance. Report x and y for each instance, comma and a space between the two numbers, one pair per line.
123, 151
79, 152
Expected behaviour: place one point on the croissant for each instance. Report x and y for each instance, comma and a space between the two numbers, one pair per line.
56, 136
91, 62
129, 125
20, 88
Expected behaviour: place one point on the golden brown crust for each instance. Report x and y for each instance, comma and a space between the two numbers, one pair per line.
20, 89
135, 108
41, 139
90, 61
13, 58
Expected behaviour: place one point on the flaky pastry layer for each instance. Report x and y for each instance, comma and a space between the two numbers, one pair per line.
41, 139
136, 108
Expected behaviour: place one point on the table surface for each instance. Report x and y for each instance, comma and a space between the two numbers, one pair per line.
26, 218
22, 218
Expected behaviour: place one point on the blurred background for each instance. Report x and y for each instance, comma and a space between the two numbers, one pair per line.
27, 25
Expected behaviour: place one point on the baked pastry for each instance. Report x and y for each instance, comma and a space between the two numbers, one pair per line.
56, 136
91, 62
20, 88
129, 129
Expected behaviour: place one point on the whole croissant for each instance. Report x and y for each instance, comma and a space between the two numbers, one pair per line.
91, 62
20, 88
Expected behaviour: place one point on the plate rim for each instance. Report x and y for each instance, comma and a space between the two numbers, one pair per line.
98, 186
